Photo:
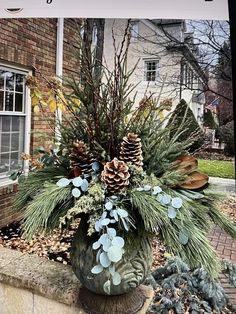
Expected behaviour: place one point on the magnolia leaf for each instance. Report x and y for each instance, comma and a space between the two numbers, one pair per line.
172, 213
104, 260
96, 245
76, 192
63, 182
156, 190
114, 254
166, 199
183, 238
108, 205
122, 213
95, 166
118, 242
147, 187
84, 186
105, 222
116, 279
111, 232
177, 202
107, 287
77, 181
97, 269
195, 180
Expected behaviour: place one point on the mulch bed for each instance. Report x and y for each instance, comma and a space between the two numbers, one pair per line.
56, 247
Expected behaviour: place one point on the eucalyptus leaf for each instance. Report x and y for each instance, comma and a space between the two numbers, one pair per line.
147, 187
106, 244
140, 189
63, 182
124, 224
103, 238
112, 269
105, 222
96, 245
118, 242
116, 279
166, 199
172, 212
183, 237
76, 192
177, 202
78, 181
114, 254
114, 214
104, 215
111, 232
85, 185
95, 166
109, 205
156, 190
107, 287
97, 269
98, 225
104, 260
122, 212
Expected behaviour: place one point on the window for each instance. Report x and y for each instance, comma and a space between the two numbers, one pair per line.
134, 30
151, 70
13, 112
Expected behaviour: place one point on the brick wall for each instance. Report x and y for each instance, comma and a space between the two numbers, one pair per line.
31, 43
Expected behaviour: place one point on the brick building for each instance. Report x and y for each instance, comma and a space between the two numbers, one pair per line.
47, 45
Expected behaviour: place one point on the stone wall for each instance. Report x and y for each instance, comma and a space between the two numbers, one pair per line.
33, 285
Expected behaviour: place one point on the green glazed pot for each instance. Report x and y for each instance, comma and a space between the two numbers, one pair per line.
133, 268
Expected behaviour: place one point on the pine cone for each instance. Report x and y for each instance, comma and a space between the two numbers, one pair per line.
115, 175
81, 157
131, 150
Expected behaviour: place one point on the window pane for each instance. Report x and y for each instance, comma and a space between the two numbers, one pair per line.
19, 83
16, 123
18, 102
15, 161
2, 79
5, 143
15, 142
6, 122
1, 100
9, 101
4, 162
10, 81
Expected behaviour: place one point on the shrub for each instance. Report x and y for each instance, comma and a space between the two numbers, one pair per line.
182, 111
209, 120
226, 135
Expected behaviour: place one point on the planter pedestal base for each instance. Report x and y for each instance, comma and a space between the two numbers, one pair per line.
136, 301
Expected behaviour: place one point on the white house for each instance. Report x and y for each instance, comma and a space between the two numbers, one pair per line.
164, 56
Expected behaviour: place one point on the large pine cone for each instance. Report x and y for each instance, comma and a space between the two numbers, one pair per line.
115, 175
131, 150
81, 157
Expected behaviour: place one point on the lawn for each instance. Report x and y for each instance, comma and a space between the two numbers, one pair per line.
217, 168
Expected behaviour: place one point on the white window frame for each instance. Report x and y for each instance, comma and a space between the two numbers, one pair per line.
157, 61
4, 179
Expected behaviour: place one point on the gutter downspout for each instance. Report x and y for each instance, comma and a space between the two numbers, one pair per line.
59, 71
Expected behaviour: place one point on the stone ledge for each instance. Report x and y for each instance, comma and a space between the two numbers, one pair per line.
43, 277
32, 277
